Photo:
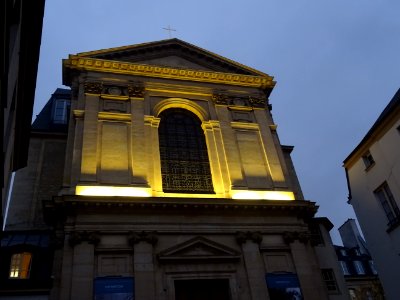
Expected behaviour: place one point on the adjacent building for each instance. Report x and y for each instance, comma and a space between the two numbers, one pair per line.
170, 183
357, 265
373, 176
27, 244
21, 27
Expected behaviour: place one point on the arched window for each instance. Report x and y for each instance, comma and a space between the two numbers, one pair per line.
185, 167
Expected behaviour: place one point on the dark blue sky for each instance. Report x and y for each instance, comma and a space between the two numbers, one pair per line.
336, 64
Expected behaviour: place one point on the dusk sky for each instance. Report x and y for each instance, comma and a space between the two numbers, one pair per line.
336, 63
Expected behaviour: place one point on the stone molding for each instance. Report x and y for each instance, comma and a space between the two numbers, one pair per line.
243, 236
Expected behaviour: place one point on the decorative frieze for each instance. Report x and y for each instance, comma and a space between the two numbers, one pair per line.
101, 65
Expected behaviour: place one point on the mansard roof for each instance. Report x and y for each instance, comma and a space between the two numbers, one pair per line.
44, 121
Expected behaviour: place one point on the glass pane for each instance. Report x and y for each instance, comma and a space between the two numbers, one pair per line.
185, 165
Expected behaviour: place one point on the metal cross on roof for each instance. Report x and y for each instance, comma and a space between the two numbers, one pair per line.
169, 30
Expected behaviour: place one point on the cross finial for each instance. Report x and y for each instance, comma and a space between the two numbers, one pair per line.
169, 30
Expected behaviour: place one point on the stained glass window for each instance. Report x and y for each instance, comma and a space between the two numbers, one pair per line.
185, 167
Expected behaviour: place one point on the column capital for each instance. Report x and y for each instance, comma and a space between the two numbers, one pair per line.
291, 236
93, 87
148, 237
78, 237
243, 236
136, 90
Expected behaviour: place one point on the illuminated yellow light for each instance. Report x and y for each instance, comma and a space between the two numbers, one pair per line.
188, 195
262, 195
112, 191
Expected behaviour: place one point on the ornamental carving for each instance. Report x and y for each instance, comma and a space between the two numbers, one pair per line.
148, 237
257, 102
78, 237
223, 99
136, 90
114, 90
242, 237
93, 87
220, 99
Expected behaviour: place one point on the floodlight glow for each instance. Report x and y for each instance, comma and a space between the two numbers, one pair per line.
112, 191
262, 195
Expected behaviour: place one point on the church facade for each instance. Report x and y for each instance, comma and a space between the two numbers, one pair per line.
175, 184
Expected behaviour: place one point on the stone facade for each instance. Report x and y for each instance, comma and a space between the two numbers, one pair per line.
134, 211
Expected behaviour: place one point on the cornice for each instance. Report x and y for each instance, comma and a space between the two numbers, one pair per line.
73, 203
109, 66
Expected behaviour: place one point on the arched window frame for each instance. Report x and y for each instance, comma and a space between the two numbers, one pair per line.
200, 180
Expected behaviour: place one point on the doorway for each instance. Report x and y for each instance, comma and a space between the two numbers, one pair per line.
202, 289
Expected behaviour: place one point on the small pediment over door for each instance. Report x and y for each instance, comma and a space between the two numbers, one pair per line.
199, 250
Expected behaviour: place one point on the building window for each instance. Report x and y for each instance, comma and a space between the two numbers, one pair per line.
368, 160
372, 267
20, 265
353, 295
329, 278
185, 167
388, 203
345, 269
359, 267
60, 113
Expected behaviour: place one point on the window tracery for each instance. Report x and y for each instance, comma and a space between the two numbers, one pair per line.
185, 165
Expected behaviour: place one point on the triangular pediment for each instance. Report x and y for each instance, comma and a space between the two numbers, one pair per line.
172, 53
199, 249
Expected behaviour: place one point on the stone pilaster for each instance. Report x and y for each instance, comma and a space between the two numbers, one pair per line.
253, 263
143, 262
306, 266
83, 265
